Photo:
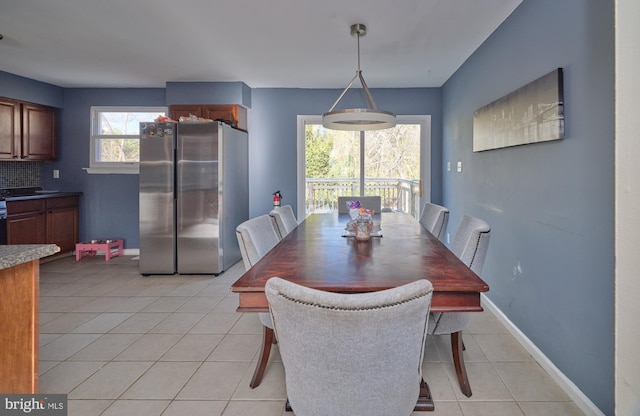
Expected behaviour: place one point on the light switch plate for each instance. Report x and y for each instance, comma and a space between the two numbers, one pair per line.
448, 166
459, 166
56, 174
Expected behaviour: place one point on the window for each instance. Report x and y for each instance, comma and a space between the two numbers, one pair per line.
115, 137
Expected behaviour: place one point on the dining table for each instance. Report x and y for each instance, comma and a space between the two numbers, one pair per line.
321, 253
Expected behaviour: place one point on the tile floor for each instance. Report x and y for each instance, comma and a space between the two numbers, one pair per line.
122, 344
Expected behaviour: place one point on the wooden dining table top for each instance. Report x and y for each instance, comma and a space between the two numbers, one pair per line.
315, 254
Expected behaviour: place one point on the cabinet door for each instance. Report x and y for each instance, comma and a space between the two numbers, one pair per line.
62, 222
230, 113
38, 132
9, 129
62, 228
26, 228
233, 114
177, 111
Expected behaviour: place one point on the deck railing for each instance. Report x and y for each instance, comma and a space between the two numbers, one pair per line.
396, 194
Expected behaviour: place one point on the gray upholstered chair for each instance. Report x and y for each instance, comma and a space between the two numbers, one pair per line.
285, 219
351, 354
470, 244
256, 237
435, 219
369, 202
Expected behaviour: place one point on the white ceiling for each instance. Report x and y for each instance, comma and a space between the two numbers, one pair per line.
264, 43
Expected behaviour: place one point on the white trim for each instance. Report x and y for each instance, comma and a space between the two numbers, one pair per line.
134, 169
300, 171
574, 393
125, 252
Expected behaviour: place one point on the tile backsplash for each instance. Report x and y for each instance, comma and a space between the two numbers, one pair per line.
19, 174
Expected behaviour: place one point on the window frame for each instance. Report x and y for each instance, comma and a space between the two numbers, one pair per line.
98, 167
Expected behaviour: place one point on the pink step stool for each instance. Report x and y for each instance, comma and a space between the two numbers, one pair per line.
111, 248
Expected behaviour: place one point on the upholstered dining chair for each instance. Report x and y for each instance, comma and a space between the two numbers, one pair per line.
368, 202
470, 244
351, 354
285, 219
435, 219
256, 237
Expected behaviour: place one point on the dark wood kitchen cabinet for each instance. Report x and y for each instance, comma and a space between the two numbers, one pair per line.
234, 114
44, 221
10, 130
26, 222
27, 131
62, 222
38, 132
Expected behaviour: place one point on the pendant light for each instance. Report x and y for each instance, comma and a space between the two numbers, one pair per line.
356, 119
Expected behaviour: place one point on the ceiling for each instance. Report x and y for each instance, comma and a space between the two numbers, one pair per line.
275, 43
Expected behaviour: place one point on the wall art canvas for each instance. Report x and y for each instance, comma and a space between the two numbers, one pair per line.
531, 114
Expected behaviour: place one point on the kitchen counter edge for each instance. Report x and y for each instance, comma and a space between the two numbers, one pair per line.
42, 196
12, 255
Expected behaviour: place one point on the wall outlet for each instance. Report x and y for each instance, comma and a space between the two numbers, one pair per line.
56, 173
448, 166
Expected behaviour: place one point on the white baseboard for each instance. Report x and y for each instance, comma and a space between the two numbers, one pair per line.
125, 252
580, 399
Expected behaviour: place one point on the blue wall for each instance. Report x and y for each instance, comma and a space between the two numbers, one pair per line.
550, 264
272, 134
25, 89
109, 206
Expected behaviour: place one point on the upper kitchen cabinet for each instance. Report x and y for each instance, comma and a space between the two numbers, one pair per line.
38, 132
9, 128
234, 114
27, 131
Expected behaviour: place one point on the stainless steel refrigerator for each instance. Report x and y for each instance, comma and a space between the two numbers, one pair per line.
194, 192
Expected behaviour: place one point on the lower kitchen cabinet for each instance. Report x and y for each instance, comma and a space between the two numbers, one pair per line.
44, 221
62, 222
26, 222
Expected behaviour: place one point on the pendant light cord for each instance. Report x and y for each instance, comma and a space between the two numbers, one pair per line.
358, 34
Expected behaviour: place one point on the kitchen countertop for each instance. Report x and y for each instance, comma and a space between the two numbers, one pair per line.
13, 255
42, 195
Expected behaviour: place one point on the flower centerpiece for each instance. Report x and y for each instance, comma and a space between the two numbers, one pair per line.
361, 220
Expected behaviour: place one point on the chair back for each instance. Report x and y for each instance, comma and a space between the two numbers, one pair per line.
435, 219
471, 242
358, 354
285, 219
368, 202
256, 237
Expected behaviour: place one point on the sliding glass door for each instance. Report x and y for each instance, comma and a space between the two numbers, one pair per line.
340, 163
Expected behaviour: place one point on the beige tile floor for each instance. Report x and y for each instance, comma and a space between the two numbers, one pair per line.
120, 344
